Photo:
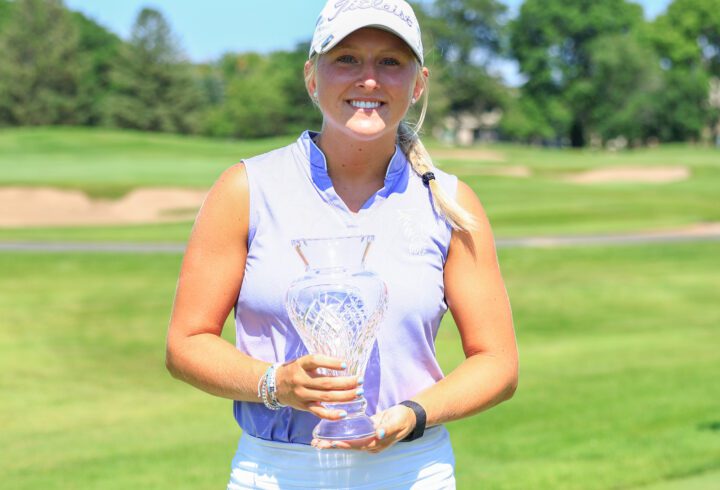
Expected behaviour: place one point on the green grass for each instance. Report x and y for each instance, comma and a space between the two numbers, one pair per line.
618, 385
106, 163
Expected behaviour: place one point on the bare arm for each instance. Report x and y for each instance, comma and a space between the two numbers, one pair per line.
209, 283
210, 278
478, 301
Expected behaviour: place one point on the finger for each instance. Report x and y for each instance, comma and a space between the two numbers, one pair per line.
380, 433
379, 418
312, 362
332, 383
323, 444
392, 426
329, 396
325, 413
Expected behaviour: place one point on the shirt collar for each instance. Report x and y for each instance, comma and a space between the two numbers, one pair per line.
398, 162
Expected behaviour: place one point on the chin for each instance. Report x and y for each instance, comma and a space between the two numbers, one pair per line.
367, 132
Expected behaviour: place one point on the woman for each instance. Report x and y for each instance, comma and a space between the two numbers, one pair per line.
366, 172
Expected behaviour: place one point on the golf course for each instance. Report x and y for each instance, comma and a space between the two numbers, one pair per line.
619, 343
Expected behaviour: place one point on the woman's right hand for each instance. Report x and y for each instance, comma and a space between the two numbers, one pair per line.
300, 386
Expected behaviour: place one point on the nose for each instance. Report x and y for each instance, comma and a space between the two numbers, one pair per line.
368, 77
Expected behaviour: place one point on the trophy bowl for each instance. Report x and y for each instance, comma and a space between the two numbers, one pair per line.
336, 308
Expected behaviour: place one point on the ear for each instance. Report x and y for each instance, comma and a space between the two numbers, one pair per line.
310, 83
420, 83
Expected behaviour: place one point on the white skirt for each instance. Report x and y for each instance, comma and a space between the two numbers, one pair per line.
427, 463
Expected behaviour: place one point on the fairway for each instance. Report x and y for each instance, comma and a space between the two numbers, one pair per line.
617, 389
109, 164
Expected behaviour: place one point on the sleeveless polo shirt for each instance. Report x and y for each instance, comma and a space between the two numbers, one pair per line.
291, 196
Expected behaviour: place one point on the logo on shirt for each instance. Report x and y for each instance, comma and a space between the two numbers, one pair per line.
412, 231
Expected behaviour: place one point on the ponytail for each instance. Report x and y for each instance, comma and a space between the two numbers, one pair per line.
421, 163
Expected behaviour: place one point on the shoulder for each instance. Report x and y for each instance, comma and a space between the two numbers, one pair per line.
232, 182
278, 155
479, 240
228, 197
467, 198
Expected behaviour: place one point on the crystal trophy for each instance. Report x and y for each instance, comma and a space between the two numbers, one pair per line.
336, 308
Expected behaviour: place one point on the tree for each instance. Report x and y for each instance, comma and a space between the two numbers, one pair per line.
461, 39
41, 70
287, 66
152, 88
687, 37
253, 103
552, 41
99, 49
260, 95
682, 105
525, 121
626, 82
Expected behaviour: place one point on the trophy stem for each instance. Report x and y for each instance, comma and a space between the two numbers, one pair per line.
357, 425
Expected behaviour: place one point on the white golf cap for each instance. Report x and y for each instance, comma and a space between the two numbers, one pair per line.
340, 18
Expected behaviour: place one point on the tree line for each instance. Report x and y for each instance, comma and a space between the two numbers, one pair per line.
590, 72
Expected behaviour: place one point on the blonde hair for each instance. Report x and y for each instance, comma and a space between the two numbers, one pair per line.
409, 141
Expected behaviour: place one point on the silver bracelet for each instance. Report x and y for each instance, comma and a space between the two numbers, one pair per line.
267, 388
261, 387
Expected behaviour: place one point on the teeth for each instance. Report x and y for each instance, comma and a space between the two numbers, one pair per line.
364, 105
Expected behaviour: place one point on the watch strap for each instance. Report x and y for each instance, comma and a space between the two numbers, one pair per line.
420, 420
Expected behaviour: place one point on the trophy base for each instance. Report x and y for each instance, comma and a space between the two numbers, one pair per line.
355, 426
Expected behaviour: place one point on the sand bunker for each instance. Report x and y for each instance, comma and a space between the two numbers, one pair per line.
26, 207
651, 175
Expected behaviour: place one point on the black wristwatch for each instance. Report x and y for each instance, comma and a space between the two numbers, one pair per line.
420, 420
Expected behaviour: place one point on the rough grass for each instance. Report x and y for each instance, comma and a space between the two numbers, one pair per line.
618, 385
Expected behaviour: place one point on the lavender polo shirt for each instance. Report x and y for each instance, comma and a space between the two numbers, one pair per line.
291, 196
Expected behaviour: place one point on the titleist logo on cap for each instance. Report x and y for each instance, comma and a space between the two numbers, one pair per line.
389, 7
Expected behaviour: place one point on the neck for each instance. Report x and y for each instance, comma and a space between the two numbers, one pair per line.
353, 161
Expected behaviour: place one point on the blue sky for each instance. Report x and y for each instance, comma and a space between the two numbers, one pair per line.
208, 28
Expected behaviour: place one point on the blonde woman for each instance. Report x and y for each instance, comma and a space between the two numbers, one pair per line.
365, 172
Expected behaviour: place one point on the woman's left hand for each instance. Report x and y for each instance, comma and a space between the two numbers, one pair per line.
391, 426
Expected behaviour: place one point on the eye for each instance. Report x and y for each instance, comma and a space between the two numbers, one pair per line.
390, 62
346, 58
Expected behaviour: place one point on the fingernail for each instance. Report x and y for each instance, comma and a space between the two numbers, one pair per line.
343, 414
333, 444
381, 433
359, 392
361, 380
343, 365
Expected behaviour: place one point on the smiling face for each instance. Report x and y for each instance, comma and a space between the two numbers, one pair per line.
365, 84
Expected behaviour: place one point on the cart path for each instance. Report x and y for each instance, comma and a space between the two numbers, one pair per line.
522, 242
